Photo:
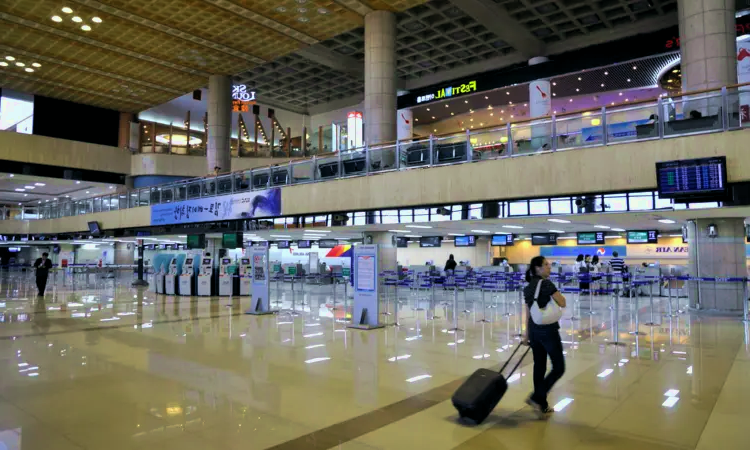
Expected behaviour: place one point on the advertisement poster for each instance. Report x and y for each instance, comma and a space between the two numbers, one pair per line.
743, 76
366, 276
259, 268
245, 205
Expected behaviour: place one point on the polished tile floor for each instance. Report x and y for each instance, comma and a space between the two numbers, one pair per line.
104, 366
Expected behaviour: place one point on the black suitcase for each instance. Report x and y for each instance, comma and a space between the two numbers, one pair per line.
480, 393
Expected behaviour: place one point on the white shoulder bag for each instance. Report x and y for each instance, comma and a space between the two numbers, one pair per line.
547, 315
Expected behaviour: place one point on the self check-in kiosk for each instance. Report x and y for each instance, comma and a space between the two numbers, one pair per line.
170, 279
159, 278
187, 277
246, 276
205, 277
226, 276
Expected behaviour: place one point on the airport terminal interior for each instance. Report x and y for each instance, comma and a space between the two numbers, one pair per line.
308, 224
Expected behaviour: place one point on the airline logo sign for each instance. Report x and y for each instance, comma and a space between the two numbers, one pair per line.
448, 92
658, 251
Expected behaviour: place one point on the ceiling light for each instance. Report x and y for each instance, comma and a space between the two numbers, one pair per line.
446, 105
603, 227
76, 19
554, 84
577, 90
10, 58
281, 9
86, 28
558, 220
433, 117
314, 360
428, 109
456, 234
412, 236
111, 187
39, 184
20, 64
556, 231
466, 101
602, 84
87, 192
628, 80
618, 229
398, 231
606, 373
667, 221
67, 10
417, 378
579, 78
29, 69
480, 231
30, 187
20, 190
37, 65
303, 19
78, 182
56, 19
96, 20
3, 64
606, 73
418, 226
670, 402
635, 67
512, 226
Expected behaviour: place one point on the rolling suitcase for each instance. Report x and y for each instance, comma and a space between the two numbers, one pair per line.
480, 393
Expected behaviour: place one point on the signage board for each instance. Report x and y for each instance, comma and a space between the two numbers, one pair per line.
643, 237
246, 205
591, 238
445, 92
366, 313
259, 286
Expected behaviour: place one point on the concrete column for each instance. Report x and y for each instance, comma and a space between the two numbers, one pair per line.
380, 77
540, 105
707, 49
721, 256
219, 123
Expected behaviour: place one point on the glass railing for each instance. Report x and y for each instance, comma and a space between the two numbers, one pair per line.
702, 112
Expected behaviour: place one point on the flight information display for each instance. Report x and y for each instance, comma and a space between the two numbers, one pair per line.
465, 241
502, 240
643, 237
430, 241
692, 178
592, 238
544, 239
282, 244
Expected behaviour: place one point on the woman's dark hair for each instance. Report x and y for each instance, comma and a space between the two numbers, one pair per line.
450, 257
536, 262
579, 258
595, 259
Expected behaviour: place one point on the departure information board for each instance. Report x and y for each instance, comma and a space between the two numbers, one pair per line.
692, 178
544, 239
592, 238
643, 237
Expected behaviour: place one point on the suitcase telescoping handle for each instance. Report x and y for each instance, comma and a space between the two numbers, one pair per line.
511, 358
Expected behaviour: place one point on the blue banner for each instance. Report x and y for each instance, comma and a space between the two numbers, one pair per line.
246, 205
573, 251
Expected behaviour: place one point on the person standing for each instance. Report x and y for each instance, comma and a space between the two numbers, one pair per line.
544, 340
450, 264
42, 266
617, 265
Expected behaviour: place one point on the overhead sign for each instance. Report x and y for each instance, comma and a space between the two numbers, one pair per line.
240, 92
246, 205
450, 91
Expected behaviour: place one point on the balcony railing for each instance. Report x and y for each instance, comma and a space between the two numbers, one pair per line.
720, 110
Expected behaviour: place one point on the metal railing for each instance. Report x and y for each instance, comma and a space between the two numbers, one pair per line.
719, 110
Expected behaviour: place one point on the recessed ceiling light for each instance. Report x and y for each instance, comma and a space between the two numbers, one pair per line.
606, 73
39, 184
87, 192
418, 226
37, 65
96, 20
620, 94
667, 221
10, 58
556, 231
618, 229
281, 9
428, 109
578, 90
512, 226
56, 19
78, 182
76, 19
602, 84
111, 187
3, 64
480, 231
29, 69
67, 10
303, 19
398, 231
456, 234
635, 67
603, 227
30, 187
554, 84
86, 28
322, 11
20, 64
19, 190
466, 101
628, 80
25, 195
579, 78
433, 117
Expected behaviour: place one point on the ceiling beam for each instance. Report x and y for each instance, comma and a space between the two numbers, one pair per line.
322, 55
497, 20
336, 104
41, 58
168, 30
263, 20
356, 6
112, 48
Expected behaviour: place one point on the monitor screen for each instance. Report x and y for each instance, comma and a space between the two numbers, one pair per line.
188, 261
304, 244
231, 240
465, 241
643, 237
282, 244
206, 261
14, 249
327, 243
591, 238
431, 241
402, 242
502, 240
196, 241
245, 261
142, 233
162, 246
704, 178
226, 261
544, 239
149, 246
94, 228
